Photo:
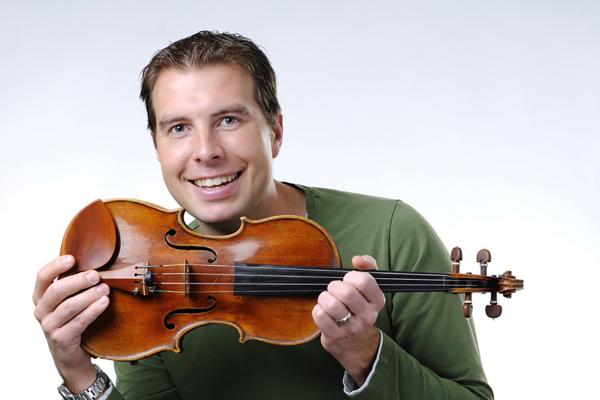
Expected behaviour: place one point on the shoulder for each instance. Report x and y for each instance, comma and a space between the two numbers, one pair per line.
326, 204
389, 229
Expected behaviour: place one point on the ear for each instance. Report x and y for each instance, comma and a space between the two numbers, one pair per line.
277, 139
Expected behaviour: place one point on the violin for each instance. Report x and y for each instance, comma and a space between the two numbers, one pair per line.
166, 279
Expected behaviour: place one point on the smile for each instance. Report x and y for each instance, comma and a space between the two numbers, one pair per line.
216, 181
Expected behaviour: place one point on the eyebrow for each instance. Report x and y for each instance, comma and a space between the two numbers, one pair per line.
171, 121
234, 109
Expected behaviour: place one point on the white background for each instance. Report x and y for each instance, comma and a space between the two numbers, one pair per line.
484, 115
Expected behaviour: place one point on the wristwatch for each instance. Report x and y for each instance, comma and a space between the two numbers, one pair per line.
94, 392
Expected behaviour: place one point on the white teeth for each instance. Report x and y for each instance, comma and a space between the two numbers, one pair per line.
210, 182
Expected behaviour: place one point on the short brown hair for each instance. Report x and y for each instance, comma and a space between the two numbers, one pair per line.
209, 48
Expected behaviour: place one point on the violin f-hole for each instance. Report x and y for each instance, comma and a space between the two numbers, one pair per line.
168, 320
172, 232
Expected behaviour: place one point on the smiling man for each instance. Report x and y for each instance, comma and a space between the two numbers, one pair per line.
216, 147
217, 126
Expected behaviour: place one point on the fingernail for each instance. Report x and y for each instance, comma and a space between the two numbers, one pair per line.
368, 258
102, 289
66, 260
103, 301
92, 277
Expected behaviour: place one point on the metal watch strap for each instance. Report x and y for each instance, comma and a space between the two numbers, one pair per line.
93, 392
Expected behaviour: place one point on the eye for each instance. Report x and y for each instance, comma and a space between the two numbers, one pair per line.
229, 121
177, 129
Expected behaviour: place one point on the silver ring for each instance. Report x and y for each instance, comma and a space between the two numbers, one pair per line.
346, 318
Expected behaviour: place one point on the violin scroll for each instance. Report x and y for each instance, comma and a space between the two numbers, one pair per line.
506, 284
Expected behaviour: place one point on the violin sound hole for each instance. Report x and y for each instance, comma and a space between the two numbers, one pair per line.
170, 318
171, 234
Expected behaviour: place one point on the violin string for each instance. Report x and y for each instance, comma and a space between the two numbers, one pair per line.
287, 268
428, 283
385, 279
379, 275
441, 283
322, 277
251, 291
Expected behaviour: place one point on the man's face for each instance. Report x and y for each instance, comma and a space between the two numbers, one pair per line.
214, 145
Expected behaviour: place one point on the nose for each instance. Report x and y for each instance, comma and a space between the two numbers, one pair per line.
207, 146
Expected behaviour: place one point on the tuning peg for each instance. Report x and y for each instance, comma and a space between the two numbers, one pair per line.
483, 258
493, 310
456, 257
468, 306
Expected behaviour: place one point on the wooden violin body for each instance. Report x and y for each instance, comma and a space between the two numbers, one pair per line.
138, 325
263, 280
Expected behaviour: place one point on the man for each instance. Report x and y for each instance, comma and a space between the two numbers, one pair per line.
217, 126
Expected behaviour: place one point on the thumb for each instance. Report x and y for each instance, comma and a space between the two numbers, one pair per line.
364, 262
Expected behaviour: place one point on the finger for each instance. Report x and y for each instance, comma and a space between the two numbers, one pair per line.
326, 324
50, 272
365, 262
60, 289
334, 308
71, 332
349, 296
367, 286
73, 306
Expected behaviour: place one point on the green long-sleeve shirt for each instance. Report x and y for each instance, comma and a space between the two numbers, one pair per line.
429, 349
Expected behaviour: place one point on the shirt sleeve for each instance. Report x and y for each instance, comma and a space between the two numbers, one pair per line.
428, 349
350, 386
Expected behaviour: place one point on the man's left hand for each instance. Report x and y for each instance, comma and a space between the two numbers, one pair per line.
346, 314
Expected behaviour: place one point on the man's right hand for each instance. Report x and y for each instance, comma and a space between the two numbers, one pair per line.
64, 309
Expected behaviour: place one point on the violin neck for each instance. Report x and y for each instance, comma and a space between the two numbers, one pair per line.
278, 280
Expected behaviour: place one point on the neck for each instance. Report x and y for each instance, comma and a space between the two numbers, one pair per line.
290, 201
281, 280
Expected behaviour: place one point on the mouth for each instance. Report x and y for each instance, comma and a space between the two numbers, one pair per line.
216, 181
